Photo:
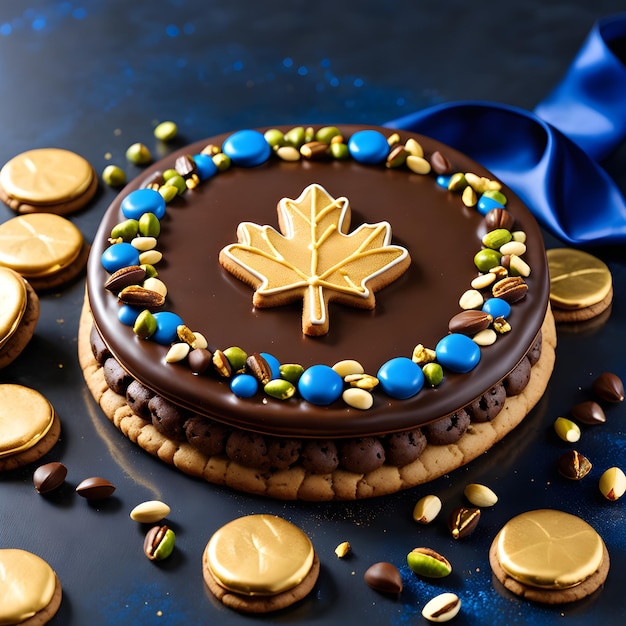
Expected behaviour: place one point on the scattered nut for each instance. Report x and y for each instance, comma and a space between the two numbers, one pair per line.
589, 412
159, 543
566, 429
573, 465
427, 562
462, 521
427, 509
343, 549
480, 495
608, 387
613, 484
150, 512
442, 608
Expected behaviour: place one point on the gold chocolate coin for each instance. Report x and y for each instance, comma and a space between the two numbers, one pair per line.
25, 418
46, 176
549, 549
577, 279
39, 244
259, 555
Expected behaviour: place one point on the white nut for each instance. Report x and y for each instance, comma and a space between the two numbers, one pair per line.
427, 509
417, 164
480, 495
178, 352
613, 483
348, 366
442, 608
358, 398
150, 512
471, 299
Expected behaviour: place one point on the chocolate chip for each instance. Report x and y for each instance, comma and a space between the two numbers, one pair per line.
608, 387
384, 577
95, 488
589, 412
49, 477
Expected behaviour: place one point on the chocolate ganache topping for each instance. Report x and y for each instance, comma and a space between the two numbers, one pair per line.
441, 234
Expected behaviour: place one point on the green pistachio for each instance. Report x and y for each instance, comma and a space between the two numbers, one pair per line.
113, 176
236, 357
433, 373
295, 137
150, 270
274, 138
457, 182
496, 195
127, 230
279, 388
339, 151
327, 133
145, 325
166, 131
495, 239
169, 192
139, 154
428, 563
291, 372
222, 161
149, 225
486, 259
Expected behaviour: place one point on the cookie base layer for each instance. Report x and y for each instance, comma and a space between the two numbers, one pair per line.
42, 447
570, 316
64, 276
19, 340
260, 604
551, 596
47, 613
296, 483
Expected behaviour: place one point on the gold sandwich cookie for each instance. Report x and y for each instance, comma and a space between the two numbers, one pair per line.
29, 426
260, 563
48, 180
19, 313
46, 249
30, 593
581, 286
549, 556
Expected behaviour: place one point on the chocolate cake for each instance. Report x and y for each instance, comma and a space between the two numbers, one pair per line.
439, 208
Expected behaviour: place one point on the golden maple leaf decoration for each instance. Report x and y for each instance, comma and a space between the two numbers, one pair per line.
315, 259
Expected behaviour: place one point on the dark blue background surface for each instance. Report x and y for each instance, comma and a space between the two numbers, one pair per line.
95, 77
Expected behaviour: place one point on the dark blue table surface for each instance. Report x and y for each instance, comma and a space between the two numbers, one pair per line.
94, 77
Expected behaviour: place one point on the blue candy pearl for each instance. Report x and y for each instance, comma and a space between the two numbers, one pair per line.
458, 353
497, 307
320, 384
247, 148
167, 323
119, 255
401, 378
205, 166
128, 314
244, 385
273, 362
141, 201
485, 204
368, 146
443, 180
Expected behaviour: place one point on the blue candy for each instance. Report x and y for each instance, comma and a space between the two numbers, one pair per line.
128, 314
273, 362
205, 166
368, 146
458, 353
485, 204
247, 148
141, 201
119, 255
400, 378
497, 307
244, 385
167, 323
320, 384
443, 180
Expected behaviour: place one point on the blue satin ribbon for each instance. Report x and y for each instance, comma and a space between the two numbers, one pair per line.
549, 157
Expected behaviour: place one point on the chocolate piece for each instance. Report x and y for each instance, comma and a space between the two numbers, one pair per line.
573, 465
403, 448
168, 418
517, 380
99, 349
608, 387
488, 406
205, 435
447, 430
462, 521
589, 412
319, 456
384, 577
49, 477
534, 353
247, 448
116, 377
137, 397
95, 488
282, 453
362, 455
